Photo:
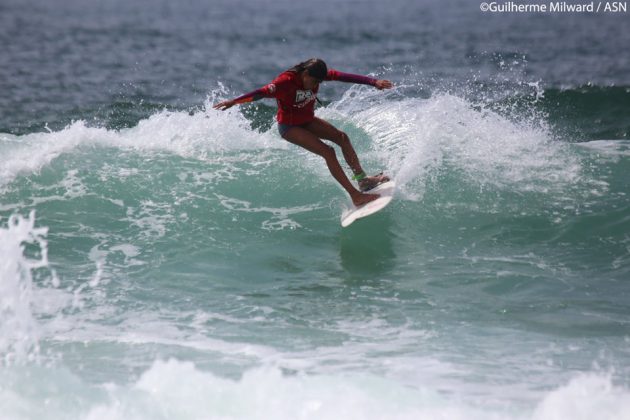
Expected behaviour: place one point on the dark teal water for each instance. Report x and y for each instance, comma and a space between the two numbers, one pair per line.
160, 259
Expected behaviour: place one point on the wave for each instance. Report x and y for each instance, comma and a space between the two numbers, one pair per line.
457, 152
460, 125
200, 135
589, 112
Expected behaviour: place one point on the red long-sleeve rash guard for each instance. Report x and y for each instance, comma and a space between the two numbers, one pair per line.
296, 105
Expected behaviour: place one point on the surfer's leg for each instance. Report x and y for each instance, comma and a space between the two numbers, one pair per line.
309, 141
325, 130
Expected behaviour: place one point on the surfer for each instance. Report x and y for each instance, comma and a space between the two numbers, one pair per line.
295, 91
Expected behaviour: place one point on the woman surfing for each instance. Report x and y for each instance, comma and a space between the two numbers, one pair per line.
295, 91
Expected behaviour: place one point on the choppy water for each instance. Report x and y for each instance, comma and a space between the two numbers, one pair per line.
159, 259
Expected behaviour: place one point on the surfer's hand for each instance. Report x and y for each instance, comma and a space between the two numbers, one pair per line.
383, 84
224, 105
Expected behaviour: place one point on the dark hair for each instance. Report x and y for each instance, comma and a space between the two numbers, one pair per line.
315, 67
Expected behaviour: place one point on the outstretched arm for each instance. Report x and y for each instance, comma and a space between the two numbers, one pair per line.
356, 78
263, 92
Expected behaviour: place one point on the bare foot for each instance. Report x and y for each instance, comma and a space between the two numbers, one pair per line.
370, 182
361, 199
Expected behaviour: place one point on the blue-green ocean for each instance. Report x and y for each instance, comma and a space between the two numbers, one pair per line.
163, 260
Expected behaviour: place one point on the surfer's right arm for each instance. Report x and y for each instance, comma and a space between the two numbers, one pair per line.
267, 91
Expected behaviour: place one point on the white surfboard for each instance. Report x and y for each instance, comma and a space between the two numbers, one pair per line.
386, 192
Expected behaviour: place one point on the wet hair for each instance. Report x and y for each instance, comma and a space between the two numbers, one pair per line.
315, 67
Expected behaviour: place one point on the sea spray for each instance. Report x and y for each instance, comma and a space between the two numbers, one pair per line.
19, 331
417, 140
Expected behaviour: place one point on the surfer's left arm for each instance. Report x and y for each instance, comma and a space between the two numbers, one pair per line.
357, 78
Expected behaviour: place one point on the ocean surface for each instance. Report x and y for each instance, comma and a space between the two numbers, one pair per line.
163, 260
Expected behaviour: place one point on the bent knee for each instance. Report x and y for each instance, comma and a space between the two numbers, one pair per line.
328, 152
343, 138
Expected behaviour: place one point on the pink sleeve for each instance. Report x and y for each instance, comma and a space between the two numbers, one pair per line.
350, 78
254, 95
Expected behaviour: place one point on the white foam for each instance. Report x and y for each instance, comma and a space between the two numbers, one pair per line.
201, 135
611, 149
29, 153
280, 215
18, 328
174, 389
177, 390
588, 396
418, 138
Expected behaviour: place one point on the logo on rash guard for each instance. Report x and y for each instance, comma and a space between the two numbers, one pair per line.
303, 98
271, 88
